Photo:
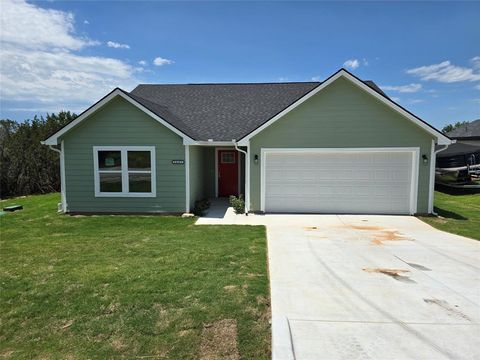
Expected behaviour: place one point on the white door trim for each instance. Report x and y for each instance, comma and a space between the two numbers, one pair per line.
216, 167
415, 151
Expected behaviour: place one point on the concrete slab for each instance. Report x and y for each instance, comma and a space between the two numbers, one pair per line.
369, 287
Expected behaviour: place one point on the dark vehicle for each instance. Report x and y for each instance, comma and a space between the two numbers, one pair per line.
459, 165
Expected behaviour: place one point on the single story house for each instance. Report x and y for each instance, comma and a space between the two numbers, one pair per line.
337, 146
468, 133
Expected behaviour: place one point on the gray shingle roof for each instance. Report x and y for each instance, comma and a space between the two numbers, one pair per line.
221, 112
469, 130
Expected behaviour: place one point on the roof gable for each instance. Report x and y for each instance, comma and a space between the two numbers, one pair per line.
179, 130
342, 73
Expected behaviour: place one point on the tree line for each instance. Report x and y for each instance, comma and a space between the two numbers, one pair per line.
26, 166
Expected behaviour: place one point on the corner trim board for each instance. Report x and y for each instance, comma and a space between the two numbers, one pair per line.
63, 187
187, 178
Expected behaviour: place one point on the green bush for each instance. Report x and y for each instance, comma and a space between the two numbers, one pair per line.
238, 204
200, 207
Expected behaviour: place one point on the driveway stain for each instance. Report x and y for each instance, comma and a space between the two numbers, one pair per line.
447, 307
393, 273
382, 234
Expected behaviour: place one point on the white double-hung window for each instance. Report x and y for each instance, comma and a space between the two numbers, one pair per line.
124, 171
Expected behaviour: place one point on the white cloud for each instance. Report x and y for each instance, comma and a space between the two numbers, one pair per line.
445, 72
476, 62
415, 101
351, 64
116, 45
394, 98
365, 62
30, 26
315, 78
86, 22
477, 87
41, 65
410, 88
159, 61
142, 62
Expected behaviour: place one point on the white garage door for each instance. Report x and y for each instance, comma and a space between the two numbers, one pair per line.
339, 181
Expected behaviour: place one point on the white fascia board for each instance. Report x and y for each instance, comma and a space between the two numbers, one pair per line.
210, 143
53, 140
441, 139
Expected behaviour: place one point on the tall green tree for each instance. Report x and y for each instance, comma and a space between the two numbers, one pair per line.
26, 166
447, 128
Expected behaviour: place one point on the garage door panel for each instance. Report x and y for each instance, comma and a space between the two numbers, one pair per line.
338, 182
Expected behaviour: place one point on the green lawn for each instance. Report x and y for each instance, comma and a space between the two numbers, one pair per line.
458, 214
98, 287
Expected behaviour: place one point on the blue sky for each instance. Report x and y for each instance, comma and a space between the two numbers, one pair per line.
66, 55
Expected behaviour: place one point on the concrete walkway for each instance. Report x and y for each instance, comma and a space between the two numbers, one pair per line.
369, 287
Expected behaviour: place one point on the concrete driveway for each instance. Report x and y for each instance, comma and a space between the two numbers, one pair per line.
370, 287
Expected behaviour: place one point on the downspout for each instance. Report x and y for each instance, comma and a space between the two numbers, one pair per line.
54, 149
247, 175
435, 155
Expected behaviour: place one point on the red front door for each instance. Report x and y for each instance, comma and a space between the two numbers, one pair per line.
227, 173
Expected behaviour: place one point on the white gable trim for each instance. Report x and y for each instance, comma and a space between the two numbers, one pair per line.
441, 139
53, 140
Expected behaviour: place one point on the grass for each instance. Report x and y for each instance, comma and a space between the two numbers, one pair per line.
458, 214
101, 287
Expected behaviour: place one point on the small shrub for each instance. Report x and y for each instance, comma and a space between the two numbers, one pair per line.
200, 207
238, 204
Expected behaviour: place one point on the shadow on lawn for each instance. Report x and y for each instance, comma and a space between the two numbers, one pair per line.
449, 214
455, 191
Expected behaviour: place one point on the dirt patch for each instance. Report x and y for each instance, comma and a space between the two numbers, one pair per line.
451, 310
230, 287
67, 324
118, 344
219, 341
393, 273
7, 354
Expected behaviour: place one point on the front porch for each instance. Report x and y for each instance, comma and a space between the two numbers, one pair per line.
214, 173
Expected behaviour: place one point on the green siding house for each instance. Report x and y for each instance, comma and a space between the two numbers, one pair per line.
337, 146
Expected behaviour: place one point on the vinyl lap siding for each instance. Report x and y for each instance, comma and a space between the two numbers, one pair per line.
342, 115
119, 123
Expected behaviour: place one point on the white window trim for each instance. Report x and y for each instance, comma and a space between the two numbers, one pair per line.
415, 152
124, 171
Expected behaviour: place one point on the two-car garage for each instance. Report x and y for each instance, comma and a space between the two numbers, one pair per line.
347, 180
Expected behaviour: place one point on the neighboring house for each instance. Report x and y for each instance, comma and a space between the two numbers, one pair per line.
468, 133
338, 146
